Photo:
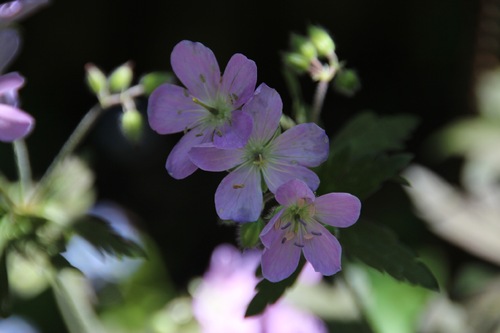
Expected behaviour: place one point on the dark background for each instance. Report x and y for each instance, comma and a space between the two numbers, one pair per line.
415, 56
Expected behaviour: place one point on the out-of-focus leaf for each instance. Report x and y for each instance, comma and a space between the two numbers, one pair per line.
105, 239
365, 154
269, 292
68, 193
378, 247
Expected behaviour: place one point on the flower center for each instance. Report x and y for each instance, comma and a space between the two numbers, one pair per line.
297, 223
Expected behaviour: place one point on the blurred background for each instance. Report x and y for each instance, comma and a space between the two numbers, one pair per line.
418, 57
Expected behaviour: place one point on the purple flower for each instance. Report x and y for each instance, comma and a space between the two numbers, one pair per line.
9, 41
277, 158
207, 110
297, 228
14, 123
221, 299
18, 9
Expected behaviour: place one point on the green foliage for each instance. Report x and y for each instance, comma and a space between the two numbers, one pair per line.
270, 292
103, 237
378, 247
365, 154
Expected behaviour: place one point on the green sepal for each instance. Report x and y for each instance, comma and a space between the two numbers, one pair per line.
248, 233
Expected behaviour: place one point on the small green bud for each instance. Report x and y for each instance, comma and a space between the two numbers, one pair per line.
297, 61
322, 41
347, 82
152, 80
303, 46
96, 80
249, 234
132, 125
121, 78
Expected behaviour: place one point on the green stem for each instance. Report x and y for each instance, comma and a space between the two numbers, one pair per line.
68, 148
73, 299
319, 98
23, 166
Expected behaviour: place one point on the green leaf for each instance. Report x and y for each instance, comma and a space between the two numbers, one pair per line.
105, 239
269, 292
369, 134
378, 247
365, 154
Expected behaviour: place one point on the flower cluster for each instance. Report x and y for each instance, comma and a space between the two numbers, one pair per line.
231, 126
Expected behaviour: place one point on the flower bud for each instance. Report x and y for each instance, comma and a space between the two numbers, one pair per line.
322, 41
121, 78
303, 46
152, 80
347, 82
96, 80
297, 61
132, 125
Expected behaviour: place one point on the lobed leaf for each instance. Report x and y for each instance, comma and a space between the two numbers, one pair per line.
378, 247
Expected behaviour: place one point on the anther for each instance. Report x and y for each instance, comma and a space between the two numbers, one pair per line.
316, 233
298, 245
286, 226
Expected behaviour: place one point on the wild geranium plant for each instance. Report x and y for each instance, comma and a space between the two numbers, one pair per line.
291, 188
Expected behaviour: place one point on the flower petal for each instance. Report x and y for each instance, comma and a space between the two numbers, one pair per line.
209, 158
265, 108
239, 195
196, 67
234, 133
305, 144
323, 252
239, 79
280, 260
337, 209
291, 191
179, 164
16, 10
276, 175
14, 123
10, 82
171, 109
269, 234
10, 40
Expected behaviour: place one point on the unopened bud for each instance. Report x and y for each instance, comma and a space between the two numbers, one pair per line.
322, 41
152, 80
132, 125
121, 78
96, 80
347, 82
297, 61
303, 46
